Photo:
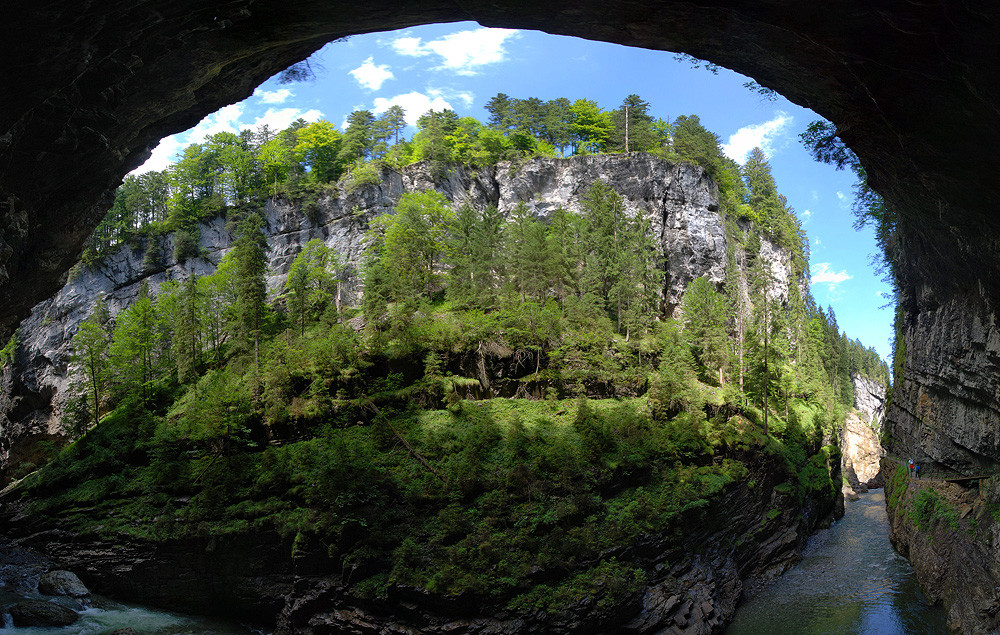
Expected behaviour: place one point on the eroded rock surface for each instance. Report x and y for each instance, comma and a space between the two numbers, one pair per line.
952, 544
944, 410
870, 400
748, 534
62, 583
860, 453
39, 613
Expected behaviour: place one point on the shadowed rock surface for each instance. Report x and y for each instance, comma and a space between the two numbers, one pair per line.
39, 613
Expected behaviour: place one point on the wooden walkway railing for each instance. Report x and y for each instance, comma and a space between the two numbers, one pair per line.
948, 476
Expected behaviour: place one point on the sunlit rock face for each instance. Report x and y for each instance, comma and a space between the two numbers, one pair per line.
869, 400
679, 202
860, 453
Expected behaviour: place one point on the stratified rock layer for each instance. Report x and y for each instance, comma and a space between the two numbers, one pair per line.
952, 543
944, 409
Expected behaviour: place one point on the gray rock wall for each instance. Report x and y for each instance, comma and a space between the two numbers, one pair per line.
870, 400
680, 201
944, 407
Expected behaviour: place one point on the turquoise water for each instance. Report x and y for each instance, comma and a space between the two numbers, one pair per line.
849, 581
106, 615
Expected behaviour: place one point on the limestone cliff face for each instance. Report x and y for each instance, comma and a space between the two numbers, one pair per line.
870, 400
680, 201
944, 415
944, 407
860, 453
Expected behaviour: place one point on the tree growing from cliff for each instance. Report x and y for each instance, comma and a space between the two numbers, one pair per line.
135, 344
90, 351
250, 266
705, 322
314, 280
410, 244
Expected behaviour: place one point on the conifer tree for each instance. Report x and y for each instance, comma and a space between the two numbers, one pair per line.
90, 348
135, 343
705, 318
186, 341
250, 260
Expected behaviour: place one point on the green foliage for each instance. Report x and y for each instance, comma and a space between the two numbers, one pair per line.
228, 417
927, 509
9, 351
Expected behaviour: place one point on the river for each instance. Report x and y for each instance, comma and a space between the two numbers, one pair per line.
849, 581
107, 615
19, 572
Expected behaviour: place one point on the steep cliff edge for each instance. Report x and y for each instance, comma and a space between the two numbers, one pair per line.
696, 574
943, 414
861, 452
950, 534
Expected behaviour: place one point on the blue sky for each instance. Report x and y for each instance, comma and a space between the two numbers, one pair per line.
461, 66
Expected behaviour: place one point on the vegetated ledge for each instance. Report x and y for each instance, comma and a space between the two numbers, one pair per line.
690, 577
950, 533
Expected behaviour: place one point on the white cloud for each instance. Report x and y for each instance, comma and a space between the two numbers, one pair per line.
465, 97
414, 103
279, 119
227, 119
806, 216
163, 155
822, 274
762, 135
279, 96
409, 46
461, 53
370, 75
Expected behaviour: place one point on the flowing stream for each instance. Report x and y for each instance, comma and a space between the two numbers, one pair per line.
19, 572
849, 581
106, 615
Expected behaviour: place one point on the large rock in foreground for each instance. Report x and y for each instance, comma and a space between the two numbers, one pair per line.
62, 583
37, 613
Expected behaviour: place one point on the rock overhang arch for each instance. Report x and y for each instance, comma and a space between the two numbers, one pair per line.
914, 90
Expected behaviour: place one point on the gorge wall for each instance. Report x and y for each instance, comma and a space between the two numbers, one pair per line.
680, 201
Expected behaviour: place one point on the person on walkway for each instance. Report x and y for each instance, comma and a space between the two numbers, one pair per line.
910, 467
916, 470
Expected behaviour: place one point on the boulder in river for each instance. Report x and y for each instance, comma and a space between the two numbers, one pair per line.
62, 583
38, 613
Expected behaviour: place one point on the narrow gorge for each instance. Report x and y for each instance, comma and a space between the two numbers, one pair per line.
687, 571
911, 88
